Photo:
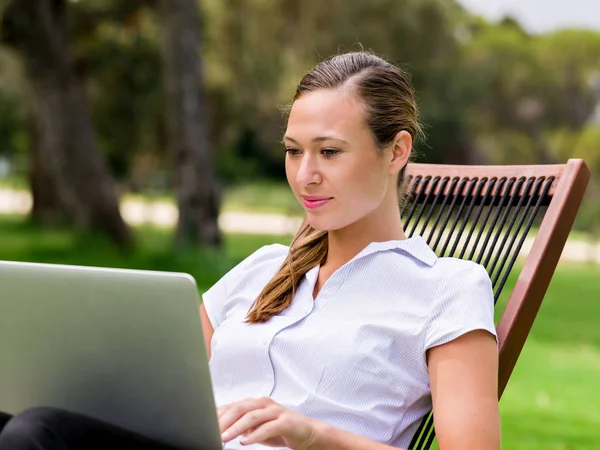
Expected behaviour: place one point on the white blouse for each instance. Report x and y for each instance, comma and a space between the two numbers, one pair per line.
354, 357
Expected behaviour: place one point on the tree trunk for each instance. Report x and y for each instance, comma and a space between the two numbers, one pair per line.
46, 210
188, 130
73, 172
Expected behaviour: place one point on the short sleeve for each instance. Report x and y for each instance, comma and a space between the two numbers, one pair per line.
464, 302
216, 297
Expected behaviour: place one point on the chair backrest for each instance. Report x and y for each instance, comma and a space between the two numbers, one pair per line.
486, 214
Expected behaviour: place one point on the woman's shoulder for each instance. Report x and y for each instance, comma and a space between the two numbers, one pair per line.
462, 301
265, 255
450, 274
242, 283
424, 265
436, 277
455, 267
255, 270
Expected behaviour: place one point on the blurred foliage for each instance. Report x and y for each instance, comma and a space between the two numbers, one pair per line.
116, 49
488, 92
13, 109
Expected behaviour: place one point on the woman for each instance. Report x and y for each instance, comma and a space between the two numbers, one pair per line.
348, 338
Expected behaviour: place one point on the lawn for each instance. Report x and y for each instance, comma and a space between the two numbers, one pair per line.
553, 398
552, 401
21, 241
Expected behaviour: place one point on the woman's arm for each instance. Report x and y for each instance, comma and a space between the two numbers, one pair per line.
463, 375
330, 438
207, 329
263, 421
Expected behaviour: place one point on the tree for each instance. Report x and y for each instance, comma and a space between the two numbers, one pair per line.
67, 166
188, 129
116, 50
511, 93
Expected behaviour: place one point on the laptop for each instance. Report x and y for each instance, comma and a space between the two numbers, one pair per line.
123, 346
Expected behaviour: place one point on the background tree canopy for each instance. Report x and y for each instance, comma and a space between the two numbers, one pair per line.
488, 92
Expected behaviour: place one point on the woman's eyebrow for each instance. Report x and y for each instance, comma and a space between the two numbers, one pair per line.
317, 139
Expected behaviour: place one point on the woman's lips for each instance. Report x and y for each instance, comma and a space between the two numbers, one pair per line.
313, 202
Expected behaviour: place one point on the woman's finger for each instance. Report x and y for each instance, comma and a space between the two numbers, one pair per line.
263, 433
222, 410
236, 410
250, 421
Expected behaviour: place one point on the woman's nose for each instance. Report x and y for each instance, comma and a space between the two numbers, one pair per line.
308, 171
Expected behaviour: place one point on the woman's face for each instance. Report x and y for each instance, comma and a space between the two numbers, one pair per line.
333, 164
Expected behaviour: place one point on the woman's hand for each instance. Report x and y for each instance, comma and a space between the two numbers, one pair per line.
263, 421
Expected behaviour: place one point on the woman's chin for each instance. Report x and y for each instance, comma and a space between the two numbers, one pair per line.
322, 225
318, 225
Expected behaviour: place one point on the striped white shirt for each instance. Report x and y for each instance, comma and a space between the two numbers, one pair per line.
354, 357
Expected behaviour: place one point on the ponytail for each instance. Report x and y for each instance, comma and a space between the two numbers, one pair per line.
308, 248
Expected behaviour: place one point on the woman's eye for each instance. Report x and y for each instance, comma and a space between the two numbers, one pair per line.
292, 151
329, 152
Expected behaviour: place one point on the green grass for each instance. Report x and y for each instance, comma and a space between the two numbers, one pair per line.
552, 401
21, 241
14, 182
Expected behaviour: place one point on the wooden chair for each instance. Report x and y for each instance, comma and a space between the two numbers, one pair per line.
485, 214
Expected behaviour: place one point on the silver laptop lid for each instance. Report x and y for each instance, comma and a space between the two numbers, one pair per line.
123, 346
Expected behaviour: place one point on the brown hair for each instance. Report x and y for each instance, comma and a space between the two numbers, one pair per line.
390, 107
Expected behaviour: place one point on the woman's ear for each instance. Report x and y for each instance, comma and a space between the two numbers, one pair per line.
401, 148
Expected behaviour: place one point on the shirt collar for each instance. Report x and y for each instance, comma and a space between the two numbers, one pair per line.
414, 246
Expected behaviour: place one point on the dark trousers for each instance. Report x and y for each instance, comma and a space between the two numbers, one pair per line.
55, 429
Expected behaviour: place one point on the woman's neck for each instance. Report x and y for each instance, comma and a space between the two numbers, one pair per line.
345, 243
